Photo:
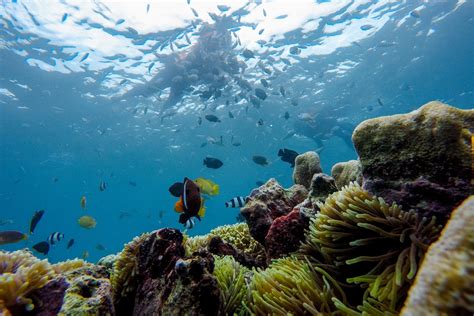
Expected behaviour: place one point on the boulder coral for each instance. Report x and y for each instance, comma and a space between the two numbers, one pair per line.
420, 160
445, 283
306, 165
347, 172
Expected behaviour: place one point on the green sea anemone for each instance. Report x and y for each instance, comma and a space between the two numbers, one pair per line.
372, 244
293, 286
20, 274
231, 277
125, 266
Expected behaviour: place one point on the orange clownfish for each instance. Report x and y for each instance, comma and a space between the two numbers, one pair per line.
190, 203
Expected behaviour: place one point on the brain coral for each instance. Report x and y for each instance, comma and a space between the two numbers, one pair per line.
372, 244
21, 273
230, 276
295, 287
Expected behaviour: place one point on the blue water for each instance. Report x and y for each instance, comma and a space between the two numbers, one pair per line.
62, 133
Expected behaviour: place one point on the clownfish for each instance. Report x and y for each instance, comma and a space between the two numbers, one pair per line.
190, 203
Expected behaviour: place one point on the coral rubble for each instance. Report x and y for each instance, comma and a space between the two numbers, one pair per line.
421, 160
445, 283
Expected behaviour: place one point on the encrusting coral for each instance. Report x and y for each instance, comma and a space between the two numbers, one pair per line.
20, 274
295, 287
231, 277
370, 243
125, 265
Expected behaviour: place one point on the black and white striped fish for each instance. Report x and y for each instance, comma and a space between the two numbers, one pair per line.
238, 201
189, 223
55, 237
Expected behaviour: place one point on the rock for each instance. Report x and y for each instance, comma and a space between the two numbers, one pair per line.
421, 160
321, 186
88, 295
445, 283
267, 203
306, 165
346, 172
285, 234
49, 299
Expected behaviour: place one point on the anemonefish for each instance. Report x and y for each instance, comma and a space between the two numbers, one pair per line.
238, 201
55, 237
190, 202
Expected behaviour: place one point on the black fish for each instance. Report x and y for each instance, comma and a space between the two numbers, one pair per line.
264, 83
259, 93
212, 118
231, 115
260, 122
247, 53
286, 116
260, 160
199, 120
288, 155
295, 50
132, 183
213, 163
35, 219
42, 247
379, 101
70, 243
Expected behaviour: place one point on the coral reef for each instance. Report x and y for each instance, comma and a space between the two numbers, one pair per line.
87, 295
347, 172
49, 299
285, 234
231, 278
306, 165
321, 186
124, 267
292, 286
420, 160
267, 203
20, 274
445, 283
377, 246
69, 265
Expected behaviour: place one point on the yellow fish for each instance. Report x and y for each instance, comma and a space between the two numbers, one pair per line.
87, 221
207, 186
83, 202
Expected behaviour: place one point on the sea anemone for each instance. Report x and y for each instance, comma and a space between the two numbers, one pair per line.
20, 274
293, 286
69, 265
193, 244
125, 265
239, 236
230, 276
374, 245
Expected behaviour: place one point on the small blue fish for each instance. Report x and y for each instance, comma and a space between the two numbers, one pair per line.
195, 13
147, 8
119, 22
366, 27
84, 58
65, 15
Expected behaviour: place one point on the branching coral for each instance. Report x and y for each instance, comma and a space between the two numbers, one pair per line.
125, 265
372, 244
293, 286
230, 276
21, 273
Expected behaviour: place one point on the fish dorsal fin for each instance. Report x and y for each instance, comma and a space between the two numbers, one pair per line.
176, 189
